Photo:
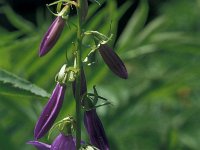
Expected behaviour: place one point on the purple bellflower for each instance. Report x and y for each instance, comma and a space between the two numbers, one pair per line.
61, 142
50, 112
95, 130
113, 61
52, 35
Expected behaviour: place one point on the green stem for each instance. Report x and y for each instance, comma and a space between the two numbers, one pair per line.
78, 80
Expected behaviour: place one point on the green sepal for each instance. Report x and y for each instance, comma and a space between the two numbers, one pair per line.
65, 126
96, 1
91, 58
62, 75
90, 100
88, 147
99, 38
62, 11
66, 74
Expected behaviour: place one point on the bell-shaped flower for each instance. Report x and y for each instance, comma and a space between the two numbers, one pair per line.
52, 35
95, 130
40, 145
113, 61
62, 142
50, 112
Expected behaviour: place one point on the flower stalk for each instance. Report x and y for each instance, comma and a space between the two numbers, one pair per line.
78, 80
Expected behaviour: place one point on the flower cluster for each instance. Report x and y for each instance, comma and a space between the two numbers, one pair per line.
88, 101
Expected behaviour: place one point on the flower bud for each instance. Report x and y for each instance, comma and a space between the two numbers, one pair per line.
51, 36
95, 130
113, 61
61, 76
50, 111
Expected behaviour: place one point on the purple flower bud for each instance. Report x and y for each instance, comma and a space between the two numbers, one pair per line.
50, 111
63, 142
83, 89
113, 61
40, 145
95, 130
52, 35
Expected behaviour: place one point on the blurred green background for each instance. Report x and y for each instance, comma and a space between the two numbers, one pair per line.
157, 108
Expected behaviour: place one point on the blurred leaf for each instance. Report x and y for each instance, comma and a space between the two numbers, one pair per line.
13, 84
6, 142
156, 108
17, 21
135, 24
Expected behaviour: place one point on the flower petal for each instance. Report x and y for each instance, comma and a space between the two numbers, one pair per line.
95, 130
63, 142
50, 111
40, 145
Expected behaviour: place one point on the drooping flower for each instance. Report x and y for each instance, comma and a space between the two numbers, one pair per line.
50, 111
40, 145
61, 142
52, 35
113, 61
95, 130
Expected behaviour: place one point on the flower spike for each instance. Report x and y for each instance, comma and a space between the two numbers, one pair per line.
52, 35
50, 111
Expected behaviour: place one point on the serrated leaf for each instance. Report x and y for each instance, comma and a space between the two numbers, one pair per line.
12, 84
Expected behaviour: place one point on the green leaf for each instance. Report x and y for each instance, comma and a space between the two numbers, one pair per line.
17, 21
12, 84
135, 24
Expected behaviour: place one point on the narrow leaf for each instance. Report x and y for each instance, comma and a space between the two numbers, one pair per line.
135, 24
17, 21
12, 84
